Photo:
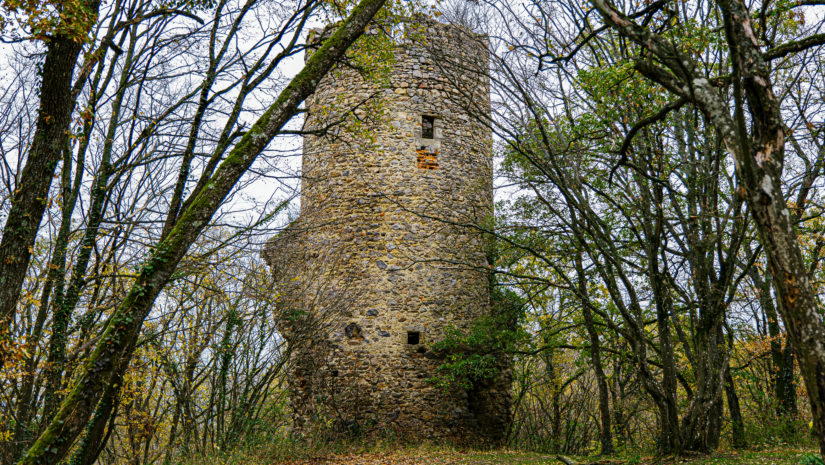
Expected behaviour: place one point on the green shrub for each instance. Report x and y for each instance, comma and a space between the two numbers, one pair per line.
475, 355
812, 459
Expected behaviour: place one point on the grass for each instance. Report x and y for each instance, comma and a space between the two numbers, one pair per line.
441, 456
284, 451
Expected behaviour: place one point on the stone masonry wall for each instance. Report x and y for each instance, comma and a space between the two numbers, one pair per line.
380, 261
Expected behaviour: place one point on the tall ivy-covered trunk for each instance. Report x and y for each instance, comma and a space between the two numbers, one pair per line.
29, 201
65, 299
115, 347
785, 384
101, 424
23, 433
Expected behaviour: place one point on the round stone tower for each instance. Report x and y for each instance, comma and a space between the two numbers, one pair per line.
385, 255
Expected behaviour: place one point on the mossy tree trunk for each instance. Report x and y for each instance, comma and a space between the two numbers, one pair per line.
65, 299
29, 201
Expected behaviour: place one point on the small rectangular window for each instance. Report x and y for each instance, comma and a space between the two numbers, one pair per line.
413, 337
427, 127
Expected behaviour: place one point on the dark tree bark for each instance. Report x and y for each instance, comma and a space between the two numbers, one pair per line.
702, 422
710, 242
115, 347
28, 203
23, 433
670, 442
785, 384
101, 424
653, 227
736, 421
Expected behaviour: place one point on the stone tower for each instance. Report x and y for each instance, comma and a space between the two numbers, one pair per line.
381, 260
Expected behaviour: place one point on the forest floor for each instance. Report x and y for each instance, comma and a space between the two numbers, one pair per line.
454, 457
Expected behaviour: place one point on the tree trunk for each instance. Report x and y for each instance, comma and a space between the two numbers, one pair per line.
605, 434
24, 434
760, 157
669, 442
28, 202
702, 423
617, 394
785, 384
782, 379
736, 422
757, 143
96, 432
555, 402
66, 299
115, 347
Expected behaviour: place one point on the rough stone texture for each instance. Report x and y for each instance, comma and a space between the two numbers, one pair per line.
381, 251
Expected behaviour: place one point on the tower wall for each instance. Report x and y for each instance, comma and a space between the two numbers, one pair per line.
381, 261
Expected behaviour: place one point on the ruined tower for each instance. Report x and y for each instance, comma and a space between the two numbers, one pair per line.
384, 258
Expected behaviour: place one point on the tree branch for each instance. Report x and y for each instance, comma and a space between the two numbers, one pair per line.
796, 46
641, 124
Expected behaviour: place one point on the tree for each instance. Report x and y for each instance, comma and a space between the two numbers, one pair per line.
759, 155
117, 344
64, 31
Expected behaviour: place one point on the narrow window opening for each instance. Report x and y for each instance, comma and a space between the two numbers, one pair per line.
427, 127
413, 337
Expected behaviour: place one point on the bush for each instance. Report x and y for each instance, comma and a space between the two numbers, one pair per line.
812, 459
